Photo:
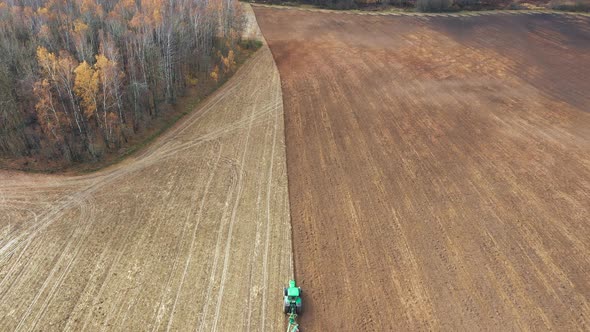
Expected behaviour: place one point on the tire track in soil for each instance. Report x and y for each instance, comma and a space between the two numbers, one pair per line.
131, 241
192, 242
233, 220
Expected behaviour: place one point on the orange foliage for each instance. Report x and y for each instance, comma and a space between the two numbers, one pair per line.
137, 21
90, 6
44, 109
228, 62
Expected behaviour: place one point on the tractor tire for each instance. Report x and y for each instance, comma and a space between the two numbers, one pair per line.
285, 291
300, 292
299, 309
286, 307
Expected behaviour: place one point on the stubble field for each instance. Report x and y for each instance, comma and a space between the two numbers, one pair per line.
191, 234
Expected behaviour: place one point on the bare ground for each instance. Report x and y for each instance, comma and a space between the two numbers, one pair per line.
439, 168
191, 234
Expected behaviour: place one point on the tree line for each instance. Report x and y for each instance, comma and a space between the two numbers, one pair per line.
80, 77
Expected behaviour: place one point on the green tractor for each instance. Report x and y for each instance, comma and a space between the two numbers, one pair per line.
292, 303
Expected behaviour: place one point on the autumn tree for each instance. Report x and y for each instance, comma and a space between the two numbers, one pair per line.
47, 114
110, 78
81, 37
86, 87
76, 74
215, 74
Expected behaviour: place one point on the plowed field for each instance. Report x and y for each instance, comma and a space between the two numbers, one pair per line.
191, 235
439, 169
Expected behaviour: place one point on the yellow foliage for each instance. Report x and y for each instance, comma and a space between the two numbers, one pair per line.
191, 80
80, 26
215, 74
228, 62
42, 11
65, 63
157, 16
231, 59
225, 62
47, 60
107, 70
41, 90
102, 62
86, 87
42, 53
155, 8
90, 6
126, 4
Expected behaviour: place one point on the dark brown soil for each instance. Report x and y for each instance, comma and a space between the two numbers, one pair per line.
439, 169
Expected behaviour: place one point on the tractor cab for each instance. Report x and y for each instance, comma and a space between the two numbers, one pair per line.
292, 299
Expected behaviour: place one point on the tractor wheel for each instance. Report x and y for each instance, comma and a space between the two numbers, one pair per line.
298, 309
300, 292
286, 307
285, 291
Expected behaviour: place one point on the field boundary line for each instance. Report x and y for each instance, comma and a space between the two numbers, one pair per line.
426, 14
